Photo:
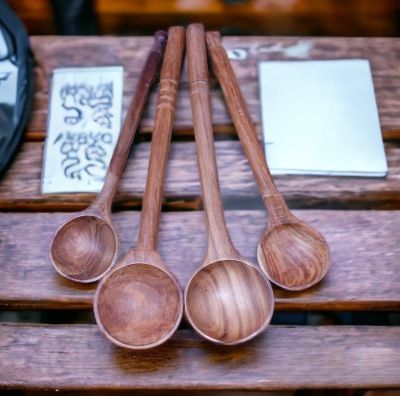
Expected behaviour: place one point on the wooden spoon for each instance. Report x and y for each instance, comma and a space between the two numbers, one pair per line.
228, 300
85, 247
139, 304
292, 254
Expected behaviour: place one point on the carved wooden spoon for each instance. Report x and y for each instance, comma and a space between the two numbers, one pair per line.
228, 300
291, 253
85, 247
139, 304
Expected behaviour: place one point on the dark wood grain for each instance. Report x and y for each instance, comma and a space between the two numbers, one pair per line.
132, 118
85, 247
228, 300
291, 253
365, 244
139, 303
219, 243
161, 138
78, 357
53, 52
20, 186
364, 274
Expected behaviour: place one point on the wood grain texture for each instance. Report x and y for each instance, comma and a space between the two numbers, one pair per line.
161, 138
284, 357
132, 118
139, 304
364, 274
219, 244
291, 253
228, 300
53, 52
84, 248
20, 186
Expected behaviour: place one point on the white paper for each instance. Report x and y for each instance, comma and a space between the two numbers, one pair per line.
320, 117
8, 83
8, 94
83, 128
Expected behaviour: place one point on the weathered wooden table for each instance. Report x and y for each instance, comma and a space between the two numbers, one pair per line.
364, 240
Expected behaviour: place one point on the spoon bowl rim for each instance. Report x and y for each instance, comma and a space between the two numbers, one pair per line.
80, 216
122, 344
267, 285
264, 267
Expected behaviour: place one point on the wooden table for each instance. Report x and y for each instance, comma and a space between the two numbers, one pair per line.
364, 239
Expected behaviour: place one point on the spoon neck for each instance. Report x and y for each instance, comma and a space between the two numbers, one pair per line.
152, 198
219, 244
148, 237
278, 211
143, 254
103, 201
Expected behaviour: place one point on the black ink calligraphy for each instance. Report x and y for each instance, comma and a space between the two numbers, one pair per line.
84, 154
84, 102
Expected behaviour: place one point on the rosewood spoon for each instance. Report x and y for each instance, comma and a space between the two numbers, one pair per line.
228, 300
292, 254
85, 247
139, 304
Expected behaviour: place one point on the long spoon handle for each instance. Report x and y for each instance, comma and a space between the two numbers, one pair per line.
133, 115
161, 138
219, 242
273, 200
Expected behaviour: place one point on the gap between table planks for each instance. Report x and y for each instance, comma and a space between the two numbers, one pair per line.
72, 357
20, 186
54, 52
364, 274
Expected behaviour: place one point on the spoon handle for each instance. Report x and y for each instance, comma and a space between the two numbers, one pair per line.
161, 138
121, 152
273, 200
219, 242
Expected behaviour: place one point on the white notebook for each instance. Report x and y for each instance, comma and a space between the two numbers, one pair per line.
320, 117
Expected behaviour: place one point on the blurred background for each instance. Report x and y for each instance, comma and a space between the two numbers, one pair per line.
235, 17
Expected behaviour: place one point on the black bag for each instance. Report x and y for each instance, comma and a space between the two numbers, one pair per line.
14, 109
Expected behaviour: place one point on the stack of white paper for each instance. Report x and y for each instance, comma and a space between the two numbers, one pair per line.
320, 117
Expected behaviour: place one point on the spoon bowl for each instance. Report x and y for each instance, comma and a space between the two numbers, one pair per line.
83, 248
229, 301
294, 256
138, 306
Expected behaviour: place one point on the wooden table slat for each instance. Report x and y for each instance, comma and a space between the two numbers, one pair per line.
20, 186
365, 272
365, 244
283, 357
53, 52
